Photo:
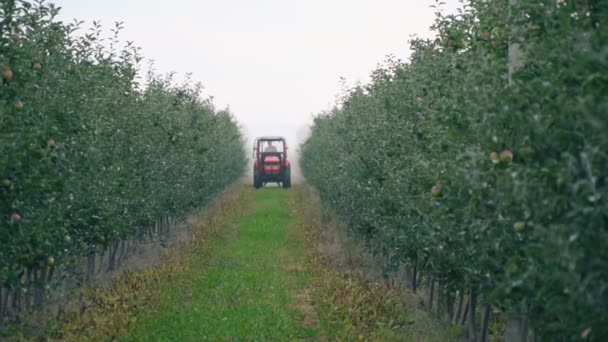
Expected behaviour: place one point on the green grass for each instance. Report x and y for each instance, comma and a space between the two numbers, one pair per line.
255, 270
244, 282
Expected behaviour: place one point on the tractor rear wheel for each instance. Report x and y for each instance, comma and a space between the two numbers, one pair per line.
287, 179
257, 182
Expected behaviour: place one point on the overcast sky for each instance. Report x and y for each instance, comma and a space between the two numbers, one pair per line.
276, 63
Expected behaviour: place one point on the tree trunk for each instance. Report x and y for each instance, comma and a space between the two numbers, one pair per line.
431, 292
484, 324
4, 291
29, 282
449, 304
90, 267
472, 329
517, 327
440, 297
415, 271
465, 314
40, 287
456, 318
44, 279
16, 307
112, 250
167, 225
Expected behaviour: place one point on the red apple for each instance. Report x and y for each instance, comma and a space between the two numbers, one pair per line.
585, 333
494, 157
436, 191
15, 37
7, 73
37, 66
18, 105
506, 156
15, 217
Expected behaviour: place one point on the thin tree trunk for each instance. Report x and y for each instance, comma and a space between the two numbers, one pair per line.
112, 249
415, 271
465, 314
102, 263
449, 304
440, 296
517, 325
431, 292
456, 318
16, 307
484, 324
45, 278
125, 250
50, 274
40, 286
28, 285
472, 310
166, 230
4, 291
90, 267
120, 253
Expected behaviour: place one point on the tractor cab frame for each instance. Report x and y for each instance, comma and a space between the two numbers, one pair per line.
270, 163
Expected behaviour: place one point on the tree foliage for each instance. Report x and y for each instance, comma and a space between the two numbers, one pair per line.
496, 186
88, 155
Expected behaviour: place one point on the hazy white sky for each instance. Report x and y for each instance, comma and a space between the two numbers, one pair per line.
275, 62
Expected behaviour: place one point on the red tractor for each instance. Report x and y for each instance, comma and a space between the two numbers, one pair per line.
270, 162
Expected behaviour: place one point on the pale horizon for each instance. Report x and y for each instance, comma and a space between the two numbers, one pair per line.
274, 63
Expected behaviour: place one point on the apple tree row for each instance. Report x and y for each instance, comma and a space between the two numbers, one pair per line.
90, 154
482, 170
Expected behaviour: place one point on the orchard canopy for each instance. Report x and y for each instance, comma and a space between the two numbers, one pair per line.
483, 160
89, 154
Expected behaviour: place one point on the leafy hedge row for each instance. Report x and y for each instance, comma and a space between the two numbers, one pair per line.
493, 187
87, 154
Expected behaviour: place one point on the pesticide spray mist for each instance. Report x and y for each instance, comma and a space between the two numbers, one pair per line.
301, 135
295, 138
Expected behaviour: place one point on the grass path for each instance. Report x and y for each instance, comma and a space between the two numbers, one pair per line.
254, 270
247, 284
